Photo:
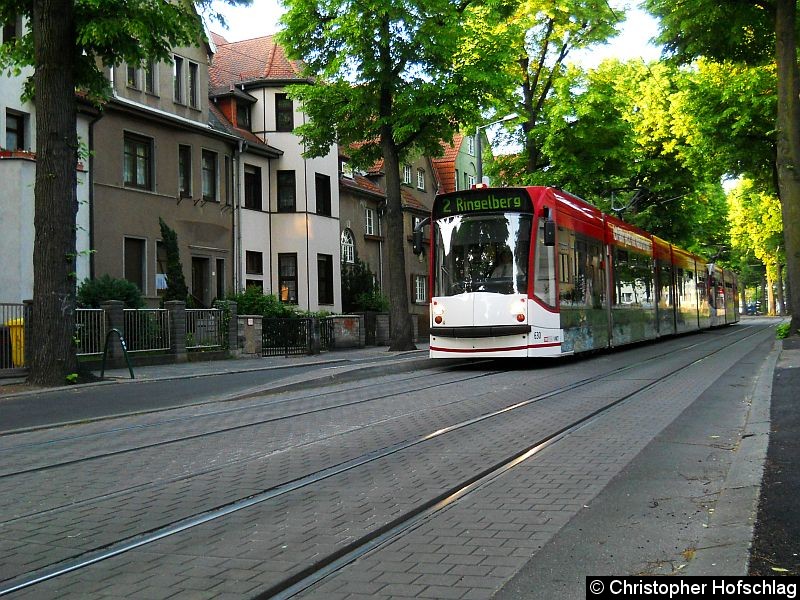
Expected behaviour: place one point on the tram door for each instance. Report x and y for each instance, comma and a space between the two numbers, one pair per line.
665, 297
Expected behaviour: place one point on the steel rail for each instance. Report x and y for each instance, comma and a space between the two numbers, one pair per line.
351, 552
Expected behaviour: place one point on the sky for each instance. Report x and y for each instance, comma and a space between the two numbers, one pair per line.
261, 18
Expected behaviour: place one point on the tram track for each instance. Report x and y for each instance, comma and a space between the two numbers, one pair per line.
380, 535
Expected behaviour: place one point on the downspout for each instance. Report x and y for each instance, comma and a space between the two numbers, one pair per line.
91, 193
242, 146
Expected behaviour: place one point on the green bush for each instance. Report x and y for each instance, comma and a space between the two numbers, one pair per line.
253, 301
373, 300
92, 292
782, 331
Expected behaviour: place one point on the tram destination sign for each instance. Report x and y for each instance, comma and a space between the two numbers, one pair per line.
479, 201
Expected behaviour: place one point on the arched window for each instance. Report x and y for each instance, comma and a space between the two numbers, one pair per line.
348, 246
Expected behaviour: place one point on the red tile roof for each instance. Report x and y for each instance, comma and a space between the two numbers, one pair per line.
255, 59
446, 165
362, 184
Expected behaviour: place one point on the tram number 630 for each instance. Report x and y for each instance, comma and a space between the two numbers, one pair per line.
537, 335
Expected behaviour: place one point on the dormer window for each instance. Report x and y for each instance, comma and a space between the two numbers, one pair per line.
243, 115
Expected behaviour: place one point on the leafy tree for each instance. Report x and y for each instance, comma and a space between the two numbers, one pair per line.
395, 77
93, 292
358, 288
68, 44
622, 137
752, 32
176, 282
543, 34
756, 227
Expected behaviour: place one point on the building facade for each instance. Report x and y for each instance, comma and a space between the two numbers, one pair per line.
159, 156
295, 231
18, 175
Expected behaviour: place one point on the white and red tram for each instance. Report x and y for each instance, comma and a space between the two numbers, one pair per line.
536, 271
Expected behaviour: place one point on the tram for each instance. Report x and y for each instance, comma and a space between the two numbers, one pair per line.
538, 272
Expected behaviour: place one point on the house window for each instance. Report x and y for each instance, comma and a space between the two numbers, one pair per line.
369, 221
194, 84
420, 289
150, 73
209, 176
286, 191
256, 283
420, 179
252, 187
348, 246
243, 115
138, 162
254, 263
11, 30
228, 181
133, 77
220, 278
185, 171
287, 278
323, 188
470, 181
470, 145
325, 278
134, 266
177, 79
161, 268
407, 174
284, 113
347, 170
15, 131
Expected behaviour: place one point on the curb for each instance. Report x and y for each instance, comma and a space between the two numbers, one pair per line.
725, 547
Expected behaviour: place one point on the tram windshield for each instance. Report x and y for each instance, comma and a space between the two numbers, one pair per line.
482, 253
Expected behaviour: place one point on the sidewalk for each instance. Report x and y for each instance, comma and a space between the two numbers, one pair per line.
347, 359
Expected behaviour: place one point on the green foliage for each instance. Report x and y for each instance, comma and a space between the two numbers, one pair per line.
176, 282
756, 225
739, 30
421, 70
358, 288
372, 301
782, 331
110, 32
92, 292
253, 301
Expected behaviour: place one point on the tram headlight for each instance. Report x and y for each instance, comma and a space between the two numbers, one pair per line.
518, 310
438, 313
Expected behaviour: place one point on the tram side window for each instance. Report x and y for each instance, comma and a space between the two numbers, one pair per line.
633, 279
584, 285
544, 285
570, 293
665, 284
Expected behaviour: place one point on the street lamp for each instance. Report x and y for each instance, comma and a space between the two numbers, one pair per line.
478, 141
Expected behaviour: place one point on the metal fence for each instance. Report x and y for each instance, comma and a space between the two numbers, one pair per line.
285, 337
90, 330
12, 336
146, 329
204, 328
293, 337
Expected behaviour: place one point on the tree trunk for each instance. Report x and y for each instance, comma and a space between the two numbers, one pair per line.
788, 159
52, 352
400, 328
781, 301
770, 296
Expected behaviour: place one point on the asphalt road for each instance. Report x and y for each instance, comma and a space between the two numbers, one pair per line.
110, 399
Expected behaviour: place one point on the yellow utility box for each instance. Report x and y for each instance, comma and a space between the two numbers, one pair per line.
16, 329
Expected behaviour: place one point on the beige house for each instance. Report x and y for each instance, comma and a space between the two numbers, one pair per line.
290, 241
159, 155
18, 175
